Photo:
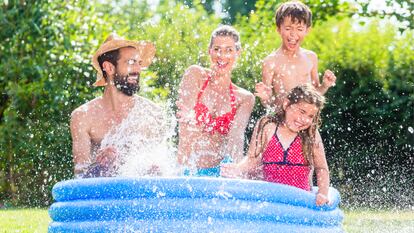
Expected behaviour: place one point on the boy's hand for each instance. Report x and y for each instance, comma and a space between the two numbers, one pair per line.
263, 91
328, 79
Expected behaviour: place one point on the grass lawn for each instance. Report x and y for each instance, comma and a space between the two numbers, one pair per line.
36, 220
24, 220
380, 221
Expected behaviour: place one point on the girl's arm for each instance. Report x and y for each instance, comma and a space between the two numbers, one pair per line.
321, 170
251, 163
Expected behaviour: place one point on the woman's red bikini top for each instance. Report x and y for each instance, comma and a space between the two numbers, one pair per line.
220, 124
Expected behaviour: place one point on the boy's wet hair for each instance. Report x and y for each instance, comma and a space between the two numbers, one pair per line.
226, 30
296, 10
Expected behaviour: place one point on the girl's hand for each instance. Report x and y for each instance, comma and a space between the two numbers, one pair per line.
321, 199
230, 170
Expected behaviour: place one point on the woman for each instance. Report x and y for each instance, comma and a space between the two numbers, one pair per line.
213, 112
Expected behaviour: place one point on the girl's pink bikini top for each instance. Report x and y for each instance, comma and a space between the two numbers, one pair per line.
220, 124
286, 166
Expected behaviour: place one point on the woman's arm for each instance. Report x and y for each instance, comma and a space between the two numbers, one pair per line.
235, 145
187, 94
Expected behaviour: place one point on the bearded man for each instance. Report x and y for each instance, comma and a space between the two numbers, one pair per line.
118, 63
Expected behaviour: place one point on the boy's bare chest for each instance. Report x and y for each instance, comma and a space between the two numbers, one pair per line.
291, 74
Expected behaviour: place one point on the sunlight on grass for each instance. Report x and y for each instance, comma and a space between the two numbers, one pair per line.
378, 221
24, 220
356, 221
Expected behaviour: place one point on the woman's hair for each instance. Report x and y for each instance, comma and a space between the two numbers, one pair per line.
303, 93
226, 30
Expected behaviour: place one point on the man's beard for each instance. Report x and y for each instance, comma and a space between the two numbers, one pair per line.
122, 84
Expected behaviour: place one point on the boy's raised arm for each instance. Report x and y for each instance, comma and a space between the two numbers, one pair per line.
264, 89
328, 79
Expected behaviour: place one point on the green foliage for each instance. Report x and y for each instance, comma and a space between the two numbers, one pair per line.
44, 68
401, 10
45, 73
231, 10
367, 121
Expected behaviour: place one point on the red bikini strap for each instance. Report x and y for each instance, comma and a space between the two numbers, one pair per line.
203, 87
232, 99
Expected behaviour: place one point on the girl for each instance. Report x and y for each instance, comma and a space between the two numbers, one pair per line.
285, 148
213, 111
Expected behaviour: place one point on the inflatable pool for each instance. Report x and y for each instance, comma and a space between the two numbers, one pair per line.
184, 204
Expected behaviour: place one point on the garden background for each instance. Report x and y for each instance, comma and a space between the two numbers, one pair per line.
45, 73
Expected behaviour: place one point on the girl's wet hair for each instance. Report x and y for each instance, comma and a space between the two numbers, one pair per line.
296, 10
226, 30
302, 93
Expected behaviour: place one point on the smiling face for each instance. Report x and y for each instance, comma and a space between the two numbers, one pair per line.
127, 71
223, 54
299, 116
292, 33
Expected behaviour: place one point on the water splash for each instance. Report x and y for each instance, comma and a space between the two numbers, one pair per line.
143, 141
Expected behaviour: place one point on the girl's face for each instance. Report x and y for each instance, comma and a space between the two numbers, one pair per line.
223, 54
299, 116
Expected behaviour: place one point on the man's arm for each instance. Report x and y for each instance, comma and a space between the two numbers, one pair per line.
81, 142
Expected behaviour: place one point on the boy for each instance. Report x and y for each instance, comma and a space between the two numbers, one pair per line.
290, 65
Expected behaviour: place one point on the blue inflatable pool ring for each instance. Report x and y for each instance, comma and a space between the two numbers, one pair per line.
188, 204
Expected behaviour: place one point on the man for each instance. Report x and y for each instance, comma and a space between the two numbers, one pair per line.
118, 63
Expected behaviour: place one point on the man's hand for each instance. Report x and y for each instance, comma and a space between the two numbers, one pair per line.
106, 156
154, 171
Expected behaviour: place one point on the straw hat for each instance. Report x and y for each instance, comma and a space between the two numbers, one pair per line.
145, 49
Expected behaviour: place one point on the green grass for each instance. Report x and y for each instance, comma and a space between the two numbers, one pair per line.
378, 221
24, 220
37, 220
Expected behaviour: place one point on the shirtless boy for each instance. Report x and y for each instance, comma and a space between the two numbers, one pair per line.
290, 65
